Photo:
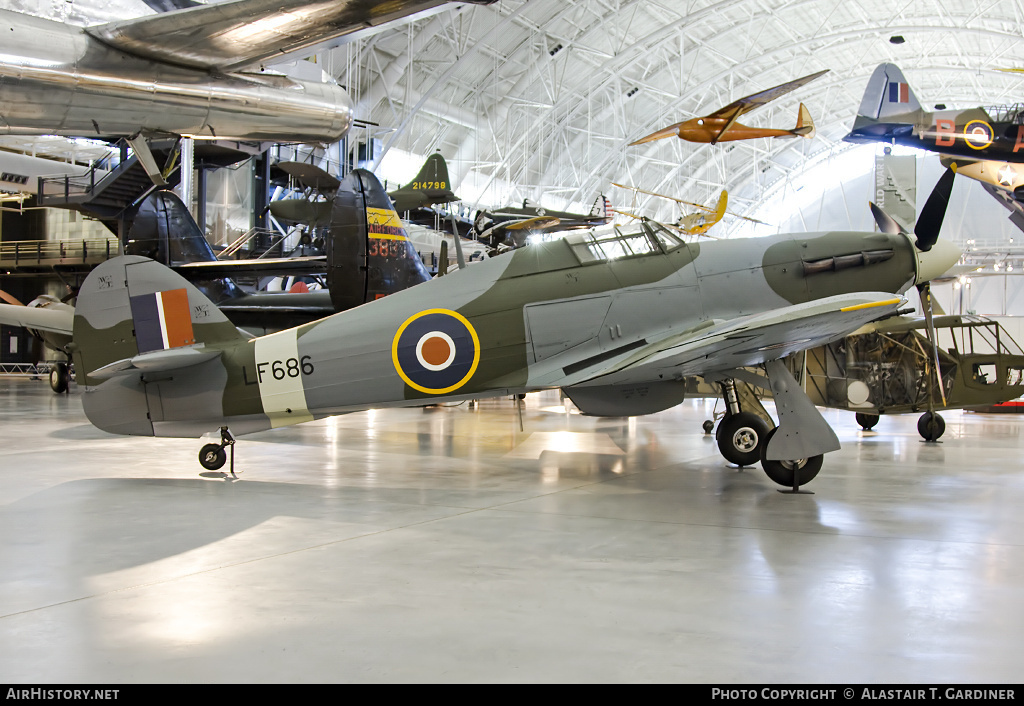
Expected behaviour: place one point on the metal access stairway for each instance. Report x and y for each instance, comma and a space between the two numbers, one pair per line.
106, 196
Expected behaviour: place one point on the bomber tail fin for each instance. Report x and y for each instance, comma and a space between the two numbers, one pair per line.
887, 95
804, 123
369, 254
430, 186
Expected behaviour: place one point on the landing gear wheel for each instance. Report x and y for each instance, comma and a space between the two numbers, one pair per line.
708, 426
740, 437
867, 421
931, 426
212, 457
790, 473
59, 378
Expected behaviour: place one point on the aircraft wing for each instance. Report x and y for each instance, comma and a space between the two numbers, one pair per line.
743, 342
281, 266
748, 103
228, 36
37, 318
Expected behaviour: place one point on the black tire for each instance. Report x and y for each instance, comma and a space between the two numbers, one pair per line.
708, 426
931, 426
785, 472
740, 437
59, 378
867, 421
212, 457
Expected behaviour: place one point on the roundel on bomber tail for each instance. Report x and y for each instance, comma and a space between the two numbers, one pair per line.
436, 351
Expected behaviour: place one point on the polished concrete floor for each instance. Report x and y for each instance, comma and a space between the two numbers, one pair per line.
446, 545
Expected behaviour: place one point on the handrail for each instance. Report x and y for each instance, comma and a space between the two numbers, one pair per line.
61, 252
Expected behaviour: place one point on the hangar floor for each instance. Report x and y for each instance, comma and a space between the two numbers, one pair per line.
443, 544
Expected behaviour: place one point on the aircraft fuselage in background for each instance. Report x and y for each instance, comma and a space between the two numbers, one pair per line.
56, 79
972, 133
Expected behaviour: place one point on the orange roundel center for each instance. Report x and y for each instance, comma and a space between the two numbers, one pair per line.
436, 351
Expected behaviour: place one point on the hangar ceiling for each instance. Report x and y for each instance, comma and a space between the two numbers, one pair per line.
540, 98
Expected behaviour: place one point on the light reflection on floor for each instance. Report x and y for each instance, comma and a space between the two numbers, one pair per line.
446, 544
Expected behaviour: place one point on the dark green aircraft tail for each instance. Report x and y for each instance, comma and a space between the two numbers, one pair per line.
162, 229
368, 250
431, 186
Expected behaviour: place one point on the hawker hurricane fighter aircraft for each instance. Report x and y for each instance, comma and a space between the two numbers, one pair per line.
986, 144
721, 125
616, 318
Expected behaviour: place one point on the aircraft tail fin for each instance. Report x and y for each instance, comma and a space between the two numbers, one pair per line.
804, 123
723, 202
163, 230
430, 186
369, 254
888, 94
602, 208
131, 306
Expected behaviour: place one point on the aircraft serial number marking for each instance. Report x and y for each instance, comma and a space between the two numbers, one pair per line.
380, 247
281, 369
280, 375
429, 185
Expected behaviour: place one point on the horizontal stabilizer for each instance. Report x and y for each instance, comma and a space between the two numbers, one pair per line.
157, 361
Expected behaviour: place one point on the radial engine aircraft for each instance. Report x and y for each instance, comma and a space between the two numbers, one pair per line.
194, 71
616, 318
986, 144
369, 256
721, 125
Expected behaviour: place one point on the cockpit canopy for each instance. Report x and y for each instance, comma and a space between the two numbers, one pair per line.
615, 242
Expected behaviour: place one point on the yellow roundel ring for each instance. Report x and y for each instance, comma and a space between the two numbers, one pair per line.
978, 134
436, 351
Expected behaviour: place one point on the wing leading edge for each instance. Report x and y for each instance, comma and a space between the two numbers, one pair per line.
232, 35
743, 342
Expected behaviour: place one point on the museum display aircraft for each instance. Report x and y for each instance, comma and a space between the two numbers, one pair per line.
196, 71
721, 125
509, 227
699, 222
369, 255
986, 144
615, 317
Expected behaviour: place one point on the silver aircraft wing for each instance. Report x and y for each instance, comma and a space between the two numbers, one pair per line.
231, 35
746, 341
38, 318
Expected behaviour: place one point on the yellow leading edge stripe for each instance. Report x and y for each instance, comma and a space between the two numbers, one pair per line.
870, 305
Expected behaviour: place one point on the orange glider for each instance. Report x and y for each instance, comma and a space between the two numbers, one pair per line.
721, 126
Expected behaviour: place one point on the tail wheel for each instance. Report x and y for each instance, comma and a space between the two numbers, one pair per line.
59, 378
790, 473
867, 421
212, 457
931, 426
740, 437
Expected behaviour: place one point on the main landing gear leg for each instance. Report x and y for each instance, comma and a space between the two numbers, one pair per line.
793, 452
213, 456
741, 433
